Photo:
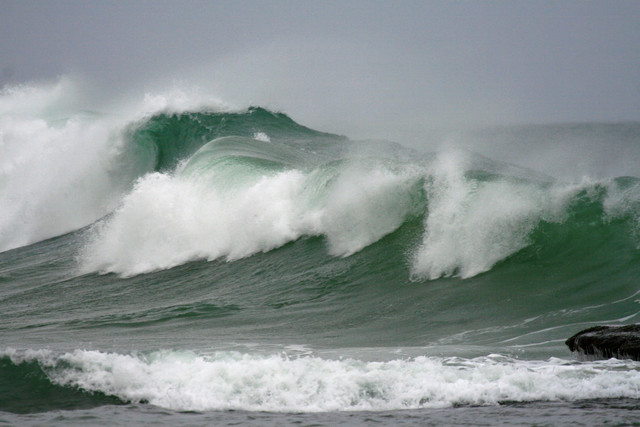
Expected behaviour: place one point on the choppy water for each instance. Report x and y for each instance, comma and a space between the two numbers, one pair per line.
187, 266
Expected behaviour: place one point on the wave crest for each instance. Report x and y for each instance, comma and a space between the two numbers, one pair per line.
472, 224
237, 209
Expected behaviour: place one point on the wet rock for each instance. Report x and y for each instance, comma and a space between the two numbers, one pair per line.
621, 342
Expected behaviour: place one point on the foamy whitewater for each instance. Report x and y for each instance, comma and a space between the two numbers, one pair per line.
173, 253
184, 381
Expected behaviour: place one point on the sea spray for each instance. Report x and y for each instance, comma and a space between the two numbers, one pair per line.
472, 223
238, 208
57, 176
64, 163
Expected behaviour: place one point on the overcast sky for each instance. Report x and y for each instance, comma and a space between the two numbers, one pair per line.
363, 68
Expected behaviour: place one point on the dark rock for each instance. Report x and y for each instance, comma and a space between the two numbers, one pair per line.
621, 342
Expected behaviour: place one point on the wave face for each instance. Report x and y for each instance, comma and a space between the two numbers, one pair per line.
207, 259
237, 196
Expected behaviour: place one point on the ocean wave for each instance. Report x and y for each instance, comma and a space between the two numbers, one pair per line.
235, 211
186, 381
66, 163
174, 185
236, 197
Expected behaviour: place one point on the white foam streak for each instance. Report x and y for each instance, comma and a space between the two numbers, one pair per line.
223, 381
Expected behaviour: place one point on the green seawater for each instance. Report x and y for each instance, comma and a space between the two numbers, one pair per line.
255, 265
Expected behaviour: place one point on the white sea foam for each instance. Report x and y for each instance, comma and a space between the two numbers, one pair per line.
55, 171
223, 381
365, 204
472, 224
167, 220
176, 100
60, 164
170, 219
261, 136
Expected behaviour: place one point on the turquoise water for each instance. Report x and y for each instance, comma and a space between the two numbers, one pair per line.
174, 266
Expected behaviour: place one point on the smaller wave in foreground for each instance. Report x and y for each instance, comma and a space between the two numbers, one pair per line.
229, 380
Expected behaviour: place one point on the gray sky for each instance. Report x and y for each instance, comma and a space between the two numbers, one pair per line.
362, 68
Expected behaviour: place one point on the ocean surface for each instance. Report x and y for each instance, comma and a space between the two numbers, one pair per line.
190, 264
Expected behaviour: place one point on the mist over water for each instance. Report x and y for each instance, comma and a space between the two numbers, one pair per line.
566, 151
55, 169
66, 159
